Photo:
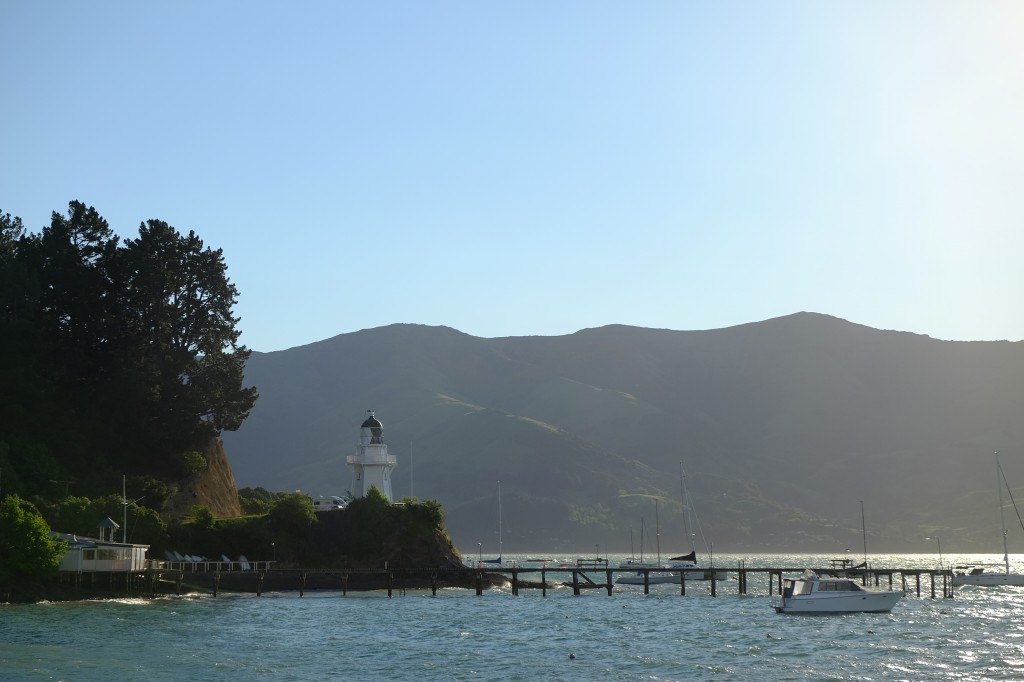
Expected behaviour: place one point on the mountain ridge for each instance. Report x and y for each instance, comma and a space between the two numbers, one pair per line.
783, 426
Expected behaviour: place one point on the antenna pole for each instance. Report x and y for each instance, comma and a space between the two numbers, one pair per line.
864, 532
657, 531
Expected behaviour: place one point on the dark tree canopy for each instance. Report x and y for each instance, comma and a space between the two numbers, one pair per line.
71, 258
177, 314
117, 356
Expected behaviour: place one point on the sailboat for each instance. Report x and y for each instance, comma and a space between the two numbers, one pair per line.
633, 563
978, 576
651, 573
687, 563
497, 561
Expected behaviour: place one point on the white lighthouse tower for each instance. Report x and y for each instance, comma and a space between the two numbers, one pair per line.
371, 465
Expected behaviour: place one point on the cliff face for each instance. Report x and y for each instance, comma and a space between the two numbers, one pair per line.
213, 487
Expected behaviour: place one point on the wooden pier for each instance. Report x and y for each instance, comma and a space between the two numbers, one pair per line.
586, 574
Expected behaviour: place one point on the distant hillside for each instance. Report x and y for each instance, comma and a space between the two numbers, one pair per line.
783, 427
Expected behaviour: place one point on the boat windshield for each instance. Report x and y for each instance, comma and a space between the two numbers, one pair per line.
801, 587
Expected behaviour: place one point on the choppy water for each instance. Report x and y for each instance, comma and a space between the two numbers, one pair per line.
978, 635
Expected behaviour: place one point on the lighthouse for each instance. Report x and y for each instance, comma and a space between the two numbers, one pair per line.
371, 465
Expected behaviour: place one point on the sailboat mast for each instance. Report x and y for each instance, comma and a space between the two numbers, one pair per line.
1002, 518
657, 530
499, 521
687, 521
864, 533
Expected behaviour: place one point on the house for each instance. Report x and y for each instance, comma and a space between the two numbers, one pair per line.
102, 555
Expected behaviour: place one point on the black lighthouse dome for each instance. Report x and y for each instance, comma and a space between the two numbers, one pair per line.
375, 427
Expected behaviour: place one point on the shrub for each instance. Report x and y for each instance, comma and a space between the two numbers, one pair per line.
27, 550
202, 517
191, 463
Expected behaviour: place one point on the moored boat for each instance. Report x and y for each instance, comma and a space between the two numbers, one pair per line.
977, 575
812, 594
688, 568
654, 576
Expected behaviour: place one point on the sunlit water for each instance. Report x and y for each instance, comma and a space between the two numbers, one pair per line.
978, 635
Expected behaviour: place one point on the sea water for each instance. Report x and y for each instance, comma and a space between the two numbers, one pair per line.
456, 635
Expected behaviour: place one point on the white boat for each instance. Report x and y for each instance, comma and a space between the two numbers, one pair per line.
977, 575
812, 594
654, 577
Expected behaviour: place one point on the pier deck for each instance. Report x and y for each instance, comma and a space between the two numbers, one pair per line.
590, 575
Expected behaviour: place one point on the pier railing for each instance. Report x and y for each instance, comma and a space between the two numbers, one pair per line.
205, 566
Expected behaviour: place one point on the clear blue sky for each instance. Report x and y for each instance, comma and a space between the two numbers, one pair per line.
536, 168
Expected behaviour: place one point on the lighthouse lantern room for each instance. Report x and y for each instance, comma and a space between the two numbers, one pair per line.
371, 465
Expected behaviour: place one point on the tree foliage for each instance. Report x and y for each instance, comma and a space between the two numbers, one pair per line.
72, 259
187, 365
191, 463
202, 517
114, 357
27, 550
82, 516
369, 532
293, 512
256, 500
